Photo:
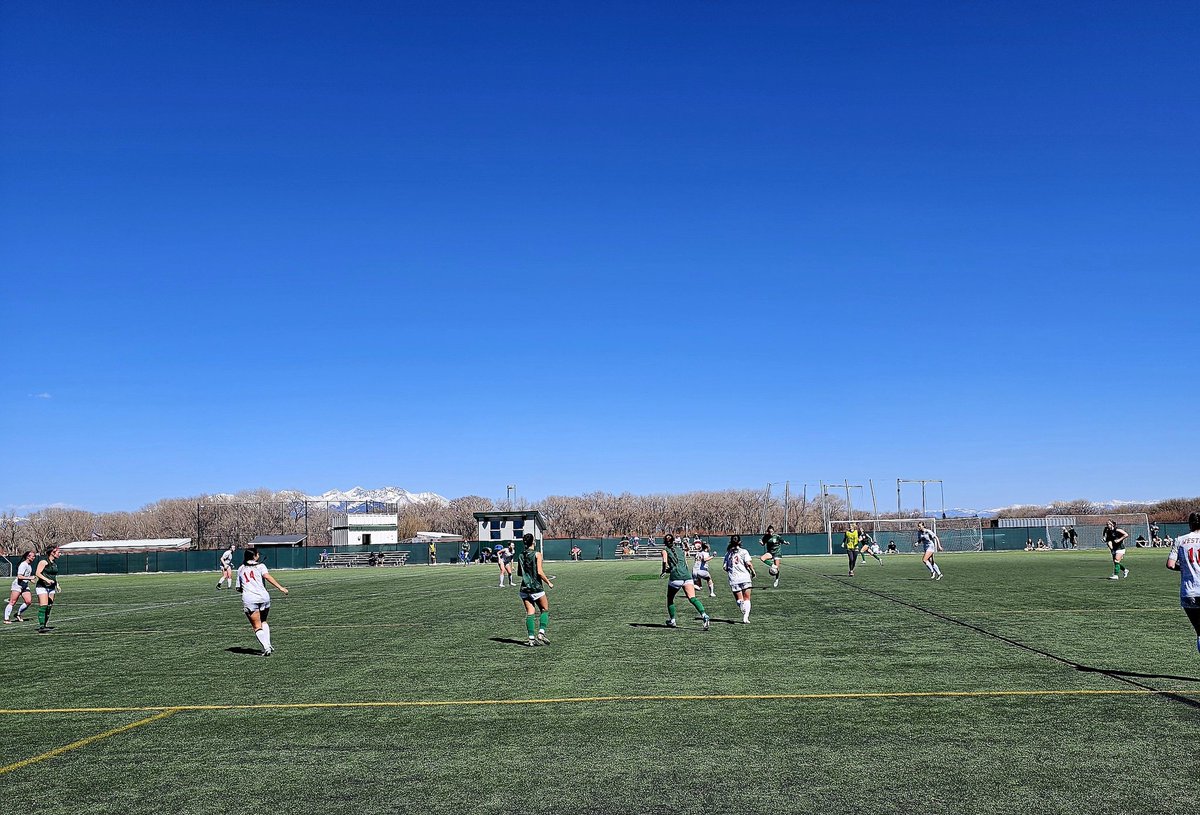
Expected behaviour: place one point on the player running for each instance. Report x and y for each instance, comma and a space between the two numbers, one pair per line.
504, 559
227, 568
772, 556
252, 578
533, 591
850, 542
700, 571
868, 546
932, 544
1114, 539
1185, 559
740, 568
20, 589
674, 564
45, 577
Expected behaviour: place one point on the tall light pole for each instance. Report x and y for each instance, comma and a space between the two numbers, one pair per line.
512, 495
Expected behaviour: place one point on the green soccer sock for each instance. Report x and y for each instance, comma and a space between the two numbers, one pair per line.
41, 616
543, 620
531, 625
671, 611
696, 602
1116, 567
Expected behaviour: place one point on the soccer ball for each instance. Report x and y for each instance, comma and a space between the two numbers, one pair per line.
774, 571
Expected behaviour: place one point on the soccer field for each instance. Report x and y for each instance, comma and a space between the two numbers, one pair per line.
1021, 682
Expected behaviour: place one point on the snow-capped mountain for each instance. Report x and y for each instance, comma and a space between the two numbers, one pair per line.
384, 495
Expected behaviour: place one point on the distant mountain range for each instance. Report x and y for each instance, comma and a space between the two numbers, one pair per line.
357, 496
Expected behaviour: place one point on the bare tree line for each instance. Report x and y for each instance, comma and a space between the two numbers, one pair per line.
217, 522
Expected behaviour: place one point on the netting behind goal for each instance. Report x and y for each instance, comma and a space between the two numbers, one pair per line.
1089, 529
956, 534
6, 568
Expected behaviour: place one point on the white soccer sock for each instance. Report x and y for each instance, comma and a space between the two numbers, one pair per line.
264, 637
21, 610
930, 567
937, 569
7, 610
267, 628
746, 610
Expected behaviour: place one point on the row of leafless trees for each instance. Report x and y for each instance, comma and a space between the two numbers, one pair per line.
215, 523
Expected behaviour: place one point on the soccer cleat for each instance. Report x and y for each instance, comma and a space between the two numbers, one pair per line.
43, 630
775, 585
707, 622
1124, 573
1113, 577
8, 622
746, 619
671, 624
937, 577
19, 618
267, 652
542, 638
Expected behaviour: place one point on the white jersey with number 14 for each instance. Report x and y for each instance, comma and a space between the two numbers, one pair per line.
250, 581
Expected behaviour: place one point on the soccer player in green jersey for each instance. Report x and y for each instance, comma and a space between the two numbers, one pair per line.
772, 556
675, 566
45, 577
533, 591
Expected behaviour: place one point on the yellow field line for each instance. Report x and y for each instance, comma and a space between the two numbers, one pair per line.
568, 700
75, 745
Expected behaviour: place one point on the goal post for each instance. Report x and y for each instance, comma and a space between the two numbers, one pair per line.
956, 534
1089, 529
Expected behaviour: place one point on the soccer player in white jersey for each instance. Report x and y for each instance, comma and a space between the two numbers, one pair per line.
20, 589
252, 578
1185, 559
700, 571
226, 568
930, 542
739, 565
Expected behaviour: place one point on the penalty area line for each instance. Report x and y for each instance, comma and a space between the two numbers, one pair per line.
81, 743
580, 700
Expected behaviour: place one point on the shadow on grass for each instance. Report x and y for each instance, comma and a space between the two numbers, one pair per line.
245, 652
1089, 669
649, 625
508, 641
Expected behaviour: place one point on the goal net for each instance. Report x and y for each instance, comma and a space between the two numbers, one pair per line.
1056, 530
6, 568
956, 534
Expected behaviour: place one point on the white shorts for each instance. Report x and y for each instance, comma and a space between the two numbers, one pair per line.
532, 597
679, 584
251, 607
736, 587
932, 547
701, 574
21, 586
48, 592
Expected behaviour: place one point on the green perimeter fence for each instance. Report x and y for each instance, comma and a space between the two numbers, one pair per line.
306, 557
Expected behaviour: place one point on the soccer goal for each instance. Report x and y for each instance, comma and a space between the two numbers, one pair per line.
1089, 529
956, 534
6, 568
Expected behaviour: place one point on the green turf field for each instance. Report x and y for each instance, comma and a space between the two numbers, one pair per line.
1023, 682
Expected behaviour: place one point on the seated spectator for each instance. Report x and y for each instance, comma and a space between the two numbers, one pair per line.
892, 548
576, 552
1140, 543
1029, 544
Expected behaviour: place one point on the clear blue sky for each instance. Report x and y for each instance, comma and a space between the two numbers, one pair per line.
618, 246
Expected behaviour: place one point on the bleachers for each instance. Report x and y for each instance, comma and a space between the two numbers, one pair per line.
335, 559
641, 553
